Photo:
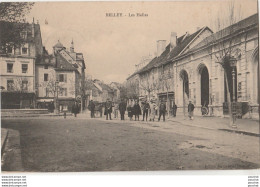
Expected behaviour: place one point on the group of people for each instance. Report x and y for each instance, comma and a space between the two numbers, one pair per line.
136, 110
133, 110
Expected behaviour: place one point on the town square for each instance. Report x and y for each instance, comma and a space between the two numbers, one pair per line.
89, 88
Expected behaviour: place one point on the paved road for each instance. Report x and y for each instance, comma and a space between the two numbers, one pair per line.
77, 144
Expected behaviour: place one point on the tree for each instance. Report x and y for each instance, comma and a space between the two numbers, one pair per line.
167, 85
13, 24
52, 87
149, 85
132, 89
222, 44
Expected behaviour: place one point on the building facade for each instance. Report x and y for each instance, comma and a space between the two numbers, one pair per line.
189, 69
59, 78
17, 72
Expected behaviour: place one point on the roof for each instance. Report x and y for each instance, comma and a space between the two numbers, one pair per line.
58, 44
239, 26
168, 54
20, 27
62, 64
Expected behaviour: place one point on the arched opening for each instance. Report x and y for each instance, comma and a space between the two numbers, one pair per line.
204, 86
185, 87
232, 90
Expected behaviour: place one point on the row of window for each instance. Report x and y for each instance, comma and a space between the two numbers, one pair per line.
11, 85
17, 51
61, 77
10, 68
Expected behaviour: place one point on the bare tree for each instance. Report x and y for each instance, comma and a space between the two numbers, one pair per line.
221, 43
54, 87
167, 85
149, 85
132, 89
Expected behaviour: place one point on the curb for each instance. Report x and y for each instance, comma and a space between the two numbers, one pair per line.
36, 116
3, 146
226, 130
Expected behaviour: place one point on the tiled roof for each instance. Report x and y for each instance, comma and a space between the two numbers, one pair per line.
37, 39
168, 55
63, 65
249, 21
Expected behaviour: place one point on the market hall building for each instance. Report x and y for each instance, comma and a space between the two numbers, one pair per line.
194, 74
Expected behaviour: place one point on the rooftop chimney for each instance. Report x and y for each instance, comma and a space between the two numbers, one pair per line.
161, 44
173, 42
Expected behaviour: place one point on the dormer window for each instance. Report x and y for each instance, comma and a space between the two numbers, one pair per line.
23, 35
9, 49
25, 49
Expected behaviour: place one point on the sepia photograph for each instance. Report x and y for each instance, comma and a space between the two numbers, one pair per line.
129, 86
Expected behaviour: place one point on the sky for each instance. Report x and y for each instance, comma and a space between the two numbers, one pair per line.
113, 45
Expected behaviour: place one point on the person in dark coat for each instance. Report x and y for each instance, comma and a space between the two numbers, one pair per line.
92, 109
137, 110
162, 110
190, 109
51, 107
122, 109
75, 109
174, 109
146, 108
108, 109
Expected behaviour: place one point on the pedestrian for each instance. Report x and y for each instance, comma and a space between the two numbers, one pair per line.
136, 110
162, 110
100, 109
130, 111
153, 111
51, 107
190, 110
92, 108
122, 109
75, 109
174, 109
146, 108
116, 110
108, 109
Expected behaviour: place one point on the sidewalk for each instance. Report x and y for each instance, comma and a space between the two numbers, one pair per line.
244, 126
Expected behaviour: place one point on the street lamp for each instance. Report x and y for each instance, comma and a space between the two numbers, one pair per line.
233, 64
56, 96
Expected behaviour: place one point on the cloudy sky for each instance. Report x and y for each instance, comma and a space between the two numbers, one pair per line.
113, 45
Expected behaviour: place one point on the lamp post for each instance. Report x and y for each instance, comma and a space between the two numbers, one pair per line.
233, 64
56, 97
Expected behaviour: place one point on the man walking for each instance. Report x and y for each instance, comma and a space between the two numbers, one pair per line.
137, 110
108, 109
162, 110
190, 110
92, 109
75, 109
146, 108
122, 109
